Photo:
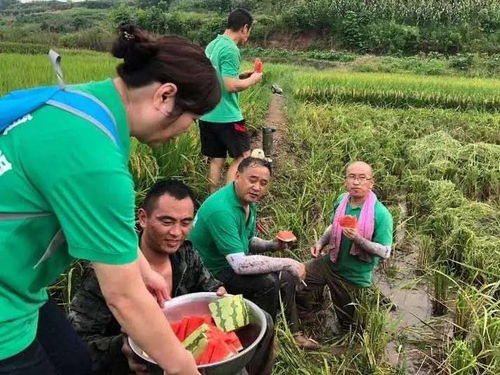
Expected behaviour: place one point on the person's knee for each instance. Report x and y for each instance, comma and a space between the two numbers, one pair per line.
217, 162
288, 277
237, 160
269, 323
269, 283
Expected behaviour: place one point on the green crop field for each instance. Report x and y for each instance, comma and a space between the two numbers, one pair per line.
434, 143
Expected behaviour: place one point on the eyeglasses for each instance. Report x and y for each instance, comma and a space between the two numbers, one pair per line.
362, 178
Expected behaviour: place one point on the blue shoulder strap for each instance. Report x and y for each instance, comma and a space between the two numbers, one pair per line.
17, 104
88, 107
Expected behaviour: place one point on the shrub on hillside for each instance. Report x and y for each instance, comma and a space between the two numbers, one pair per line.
392, 38
94, 39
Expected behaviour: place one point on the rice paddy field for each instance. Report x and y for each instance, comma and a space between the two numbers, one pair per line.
434, 144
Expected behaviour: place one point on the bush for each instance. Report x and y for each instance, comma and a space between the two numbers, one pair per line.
153, 19
447, 40
94, 39
390, 37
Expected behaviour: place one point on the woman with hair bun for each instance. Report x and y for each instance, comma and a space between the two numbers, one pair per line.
66, 194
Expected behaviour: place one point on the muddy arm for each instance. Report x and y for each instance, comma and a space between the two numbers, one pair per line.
252, 264
258, 245
325, 237
373, 248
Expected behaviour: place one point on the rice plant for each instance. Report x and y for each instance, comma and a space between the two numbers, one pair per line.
440, 286
399, 91
425, 252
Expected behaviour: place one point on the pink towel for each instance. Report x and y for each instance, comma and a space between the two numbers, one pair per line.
365, 226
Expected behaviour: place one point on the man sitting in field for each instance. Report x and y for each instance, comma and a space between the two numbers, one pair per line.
224, 235
165, 219
350, 252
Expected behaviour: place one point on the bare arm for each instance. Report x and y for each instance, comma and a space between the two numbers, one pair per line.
155, 283
139, 315
237, 85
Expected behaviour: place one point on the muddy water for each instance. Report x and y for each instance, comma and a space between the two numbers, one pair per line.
407, 292
413, 307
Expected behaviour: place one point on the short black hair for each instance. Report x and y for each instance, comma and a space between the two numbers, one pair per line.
175, 188
250, 162
238, 19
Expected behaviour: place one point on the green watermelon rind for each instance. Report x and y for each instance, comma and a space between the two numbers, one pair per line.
230, 313
197, 341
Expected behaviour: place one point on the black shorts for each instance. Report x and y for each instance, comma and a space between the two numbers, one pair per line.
221, 138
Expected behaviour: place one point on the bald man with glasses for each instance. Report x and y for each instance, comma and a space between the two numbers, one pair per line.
346, 255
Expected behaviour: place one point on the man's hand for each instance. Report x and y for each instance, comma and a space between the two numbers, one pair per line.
135, 363
246, 74
157, 285
282, 245
221, 291
256, 77
317, 250
351, 233
154, 282
302, 271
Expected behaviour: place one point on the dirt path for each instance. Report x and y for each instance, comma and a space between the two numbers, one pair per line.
275, 119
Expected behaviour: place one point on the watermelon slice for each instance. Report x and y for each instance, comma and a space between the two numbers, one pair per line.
205, 340
348, 221
230, 313
197, 341
193, 322
286, 236
258, 65
221, 352
232, 340
204, 359
182, 329
176, 328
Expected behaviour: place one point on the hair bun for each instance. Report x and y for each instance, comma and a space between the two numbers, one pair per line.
127, 31
134, 46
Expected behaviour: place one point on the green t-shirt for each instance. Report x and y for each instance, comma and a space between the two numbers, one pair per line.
225, 57
348, 266
55, 162
220, 228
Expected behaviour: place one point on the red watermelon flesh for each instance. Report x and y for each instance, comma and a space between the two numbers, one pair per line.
176, 327
204, 359
189, 324
233, 340
221, 352
348, 221
193, 322
221, 345
182, 330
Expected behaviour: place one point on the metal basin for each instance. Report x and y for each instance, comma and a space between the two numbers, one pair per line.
197, 304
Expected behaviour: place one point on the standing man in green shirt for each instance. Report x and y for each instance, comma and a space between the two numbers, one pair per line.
223, 130
224, 235
355, 250
66, 194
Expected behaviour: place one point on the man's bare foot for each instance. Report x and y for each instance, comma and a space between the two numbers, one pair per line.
305, 342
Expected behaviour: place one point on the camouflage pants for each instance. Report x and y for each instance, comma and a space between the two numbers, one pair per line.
344, 295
